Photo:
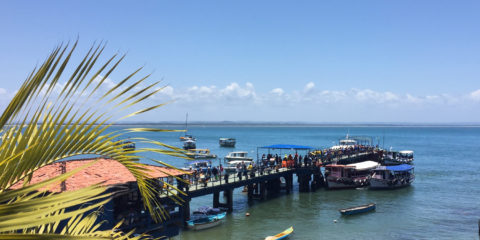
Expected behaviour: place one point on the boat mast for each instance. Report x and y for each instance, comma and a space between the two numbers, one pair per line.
186, 124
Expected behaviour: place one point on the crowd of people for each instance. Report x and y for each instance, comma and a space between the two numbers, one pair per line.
270, 162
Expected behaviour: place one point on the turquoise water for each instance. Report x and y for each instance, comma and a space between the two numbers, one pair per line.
443, 202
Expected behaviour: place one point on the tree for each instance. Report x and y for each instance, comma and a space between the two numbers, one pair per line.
48, 121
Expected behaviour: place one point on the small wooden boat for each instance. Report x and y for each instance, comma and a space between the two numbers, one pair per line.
281, 235
358, 209
206, 217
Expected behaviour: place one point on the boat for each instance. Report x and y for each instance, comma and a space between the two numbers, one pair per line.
281, 235
189, 144
187, 137
353, 175
390, 177
358, 209
227, 142
398, 157
200, 154
231, 166
127, 145
205, 217
238, 156
197, 165
344, 144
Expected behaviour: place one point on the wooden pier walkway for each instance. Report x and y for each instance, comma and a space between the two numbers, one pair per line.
260, 183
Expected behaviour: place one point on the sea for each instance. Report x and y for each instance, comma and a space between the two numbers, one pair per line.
442, 203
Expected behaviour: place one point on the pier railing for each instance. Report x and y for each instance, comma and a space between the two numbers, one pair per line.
197, 184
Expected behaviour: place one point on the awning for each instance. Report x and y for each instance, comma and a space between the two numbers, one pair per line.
396, 168
364, 165
288, 146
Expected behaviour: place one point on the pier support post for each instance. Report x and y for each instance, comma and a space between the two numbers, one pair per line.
304, 185
250, 192
229, 195
185, 210
262, 191
216, 199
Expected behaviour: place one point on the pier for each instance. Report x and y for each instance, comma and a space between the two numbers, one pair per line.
260, 183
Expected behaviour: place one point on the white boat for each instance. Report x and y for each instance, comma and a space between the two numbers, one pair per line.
187, 137
200, 154
238, 156
205, 217
231, 166
227, 142
389, 177
189, 144
345, 143
349, 176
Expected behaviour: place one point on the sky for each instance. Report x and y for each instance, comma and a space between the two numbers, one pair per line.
307, 61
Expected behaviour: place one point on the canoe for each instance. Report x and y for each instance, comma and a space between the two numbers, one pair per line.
358, 209
281, 235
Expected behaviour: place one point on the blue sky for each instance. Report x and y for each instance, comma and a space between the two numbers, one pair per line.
316, 61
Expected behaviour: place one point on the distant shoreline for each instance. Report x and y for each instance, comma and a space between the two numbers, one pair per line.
298, 124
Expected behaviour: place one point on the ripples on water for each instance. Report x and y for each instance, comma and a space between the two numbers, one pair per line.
443, 202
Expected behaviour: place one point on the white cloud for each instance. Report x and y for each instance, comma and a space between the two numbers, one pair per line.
475, 95
277, 91
309, 87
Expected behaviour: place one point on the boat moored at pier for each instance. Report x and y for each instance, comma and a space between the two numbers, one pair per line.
389, 177
205, 217
349, 176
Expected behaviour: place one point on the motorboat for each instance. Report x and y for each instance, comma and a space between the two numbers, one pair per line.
281, 235
344, 144
189, 144
389, 177
187, 137
358, 209
197, 165
231, 166
200, 154
349, 176
205, 217
227, 142
238, 156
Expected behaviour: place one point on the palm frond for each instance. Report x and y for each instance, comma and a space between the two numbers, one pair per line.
48, 120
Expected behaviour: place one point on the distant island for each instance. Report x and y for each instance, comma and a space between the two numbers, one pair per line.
298, 123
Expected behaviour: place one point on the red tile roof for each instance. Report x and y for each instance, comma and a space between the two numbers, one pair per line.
108, 171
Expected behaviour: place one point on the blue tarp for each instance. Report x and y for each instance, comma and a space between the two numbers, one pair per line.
288, 146
399, 168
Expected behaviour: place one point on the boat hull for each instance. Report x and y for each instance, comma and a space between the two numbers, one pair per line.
202, 226
388, 184
281, 235
358, 210
345, 183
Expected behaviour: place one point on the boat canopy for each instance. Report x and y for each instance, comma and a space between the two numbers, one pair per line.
396, 168
364, 165
406, 152
288, 146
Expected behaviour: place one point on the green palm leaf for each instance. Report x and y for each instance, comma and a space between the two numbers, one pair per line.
48, 121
